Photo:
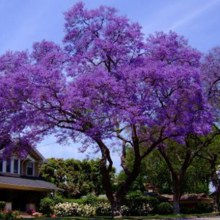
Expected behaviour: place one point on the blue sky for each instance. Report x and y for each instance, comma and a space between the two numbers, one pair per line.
23, 22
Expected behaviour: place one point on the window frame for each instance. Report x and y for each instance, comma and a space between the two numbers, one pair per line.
27, 167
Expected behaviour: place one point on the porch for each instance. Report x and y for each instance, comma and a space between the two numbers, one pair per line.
24, 194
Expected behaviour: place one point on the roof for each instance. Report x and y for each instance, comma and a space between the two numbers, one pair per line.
32, 151
35, 151
190, 197
19, 183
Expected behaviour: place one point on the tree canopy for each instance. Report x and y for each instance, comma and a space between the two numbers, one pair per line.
105, 82
77, 178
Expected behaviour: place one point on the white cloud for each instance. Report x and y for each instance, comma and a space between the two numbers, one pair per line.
194, 14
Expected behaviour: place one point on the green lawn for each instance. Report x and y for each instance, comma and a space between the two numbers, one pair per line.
179, 216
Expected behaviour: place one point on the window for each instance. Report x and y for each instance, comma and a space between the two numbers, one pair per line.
30, 168
8, 166
1, 165
15, 165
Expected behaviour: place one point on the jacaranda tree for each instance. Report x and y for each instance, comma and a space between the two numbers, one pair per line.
211, 78
107, 86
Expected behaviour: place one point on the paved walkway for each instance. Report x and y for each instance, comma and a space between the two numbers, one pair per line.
206, 218
25, 215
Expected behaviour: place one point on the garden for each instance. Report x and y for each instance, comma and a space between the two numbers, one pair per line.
144, 207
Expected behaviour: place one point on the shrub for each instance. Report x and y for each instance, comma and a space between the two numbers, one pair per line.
199, 208
46, 206
57, 199
103, 208
67, 209
2, 205
124, 210
141, 205
74, 209
90, 199
202, 207
135, 194
164, 208
11, 215
78, 201
87, 210
2, 215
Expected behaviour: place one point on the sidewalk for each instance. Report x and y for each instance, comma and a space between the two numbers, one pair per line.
25, 215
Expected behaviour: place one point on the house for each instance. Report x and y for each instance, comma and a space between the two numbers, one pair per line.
188, 202
20, 185
191, 200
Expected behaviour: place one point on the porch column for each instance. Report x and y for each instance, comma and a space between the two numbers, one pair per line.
4, 166
19, 166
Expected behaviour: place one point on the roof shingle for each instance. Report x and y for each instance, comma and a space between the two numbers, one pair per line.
26, 184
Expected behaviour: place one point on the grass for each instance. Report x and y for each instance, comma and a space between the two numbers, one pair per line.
167, 217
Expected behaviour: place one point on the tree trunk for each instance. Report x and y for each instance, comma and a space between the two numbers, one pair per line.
216, 199
177, 176
117, 197
176, 204
215, 204
176, 196
215, 182
116, 207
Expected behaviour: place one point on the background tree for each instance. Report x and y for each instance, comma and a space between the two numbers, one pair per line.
154, 171
106, 83
184, 157
211, 80
75, 177
212, 157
